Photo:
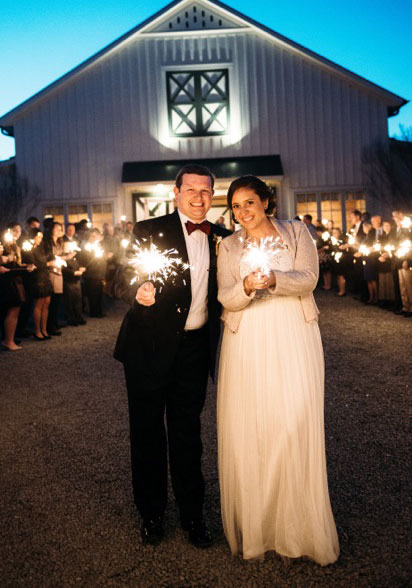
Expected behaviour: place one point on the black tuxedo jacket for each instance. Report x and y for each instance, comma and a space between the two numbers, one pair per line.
148, 337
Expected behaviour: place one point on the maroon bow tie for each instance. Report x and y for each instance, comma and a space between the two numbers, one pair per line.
204, 226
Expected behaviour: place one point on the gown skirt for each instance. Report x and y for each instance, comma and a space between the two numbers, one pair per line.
271, 447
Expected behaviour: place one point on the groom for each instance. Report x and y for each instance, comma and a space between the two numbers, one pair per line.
168, 343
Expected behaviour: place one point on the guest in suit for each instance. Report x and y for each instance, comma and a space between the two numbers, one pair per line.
397, 235
94, 275
168, 343
369, 262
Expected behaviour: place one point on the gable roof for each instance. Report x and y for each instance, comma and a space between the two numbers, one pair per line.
225, 19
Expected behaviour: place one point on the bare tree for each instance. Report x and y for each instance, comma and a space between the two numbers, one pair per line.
18, 197
388, 169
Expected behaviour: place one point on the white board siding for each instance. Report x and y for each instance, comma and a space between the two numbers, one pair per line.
73, 143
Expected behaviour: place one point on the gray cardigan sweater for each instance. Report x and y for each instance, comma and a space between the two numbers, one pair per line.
300, 282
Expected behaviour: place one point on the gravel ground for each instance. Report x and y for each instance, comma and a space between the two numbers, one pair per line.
67, 517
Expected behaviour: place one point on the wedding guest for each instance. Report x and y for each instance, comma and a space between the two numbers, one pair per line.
14, 292
369, 262
72, 291
386, 288
41, 287
221, 222
54, 249
323, 245
341, 260
92, 258
307, 219
398, 234
113, 251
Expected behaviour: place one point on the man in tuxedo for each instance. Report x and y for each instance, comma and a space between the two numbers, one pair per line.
168, 343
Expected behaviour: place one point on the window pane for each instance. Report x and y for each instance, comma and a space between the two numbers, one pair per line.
101, 213
57, 212
77, 212
306, 204
353, 201
331, 208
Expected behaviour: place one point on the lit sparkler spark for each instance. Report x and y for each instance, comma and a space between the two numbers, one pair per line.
59, 262
389, 249
123, 218
325, 235
259, 254
351, 239
335, 241
338, 255
27, 245
377, 247
124, 243
8, 237
404, 249
154, 264
95, 248
406, 222
364, 250
325, 221
71, 247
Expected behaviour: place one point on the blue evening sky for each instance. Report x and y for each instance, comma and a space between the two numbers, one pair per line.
40, 41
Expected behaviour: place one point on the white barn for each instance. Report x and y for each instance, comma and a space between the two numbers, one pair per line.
199, 81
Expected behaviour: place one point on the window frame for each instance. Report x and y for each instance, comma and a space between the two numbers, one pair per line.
199, 103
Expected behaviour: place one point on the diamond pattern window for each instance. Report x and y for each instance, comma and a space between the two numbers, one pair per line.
198, 102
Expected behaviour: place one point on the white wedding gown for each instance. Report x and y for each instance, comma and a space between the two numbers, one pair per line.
272, 464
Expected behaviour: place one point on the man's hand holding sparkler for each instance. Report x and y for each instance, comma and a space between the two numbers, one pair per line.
259, 281
146, 294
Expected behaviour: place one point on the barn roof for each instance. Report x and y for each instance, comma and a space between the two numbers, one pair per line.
185, 17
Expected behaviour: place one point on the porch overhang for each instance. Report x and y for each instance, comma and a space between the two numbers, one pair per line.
223, 167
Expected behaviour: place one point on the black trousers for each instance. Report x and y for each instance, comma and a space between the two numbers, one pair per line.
53, 317
72, 293
93, 289
181, 400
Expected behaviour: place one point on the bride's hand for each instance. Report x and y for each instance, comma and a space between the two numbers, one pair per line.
258, 281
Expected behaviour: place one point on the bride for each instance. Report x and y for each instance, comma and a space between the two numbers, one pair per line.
272, 464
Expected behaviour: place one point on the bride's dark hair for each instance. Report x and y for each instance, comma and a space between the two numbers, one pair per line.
264, 191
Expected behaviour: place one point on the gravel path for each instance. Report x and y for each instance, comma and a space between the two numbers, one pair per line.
67, 516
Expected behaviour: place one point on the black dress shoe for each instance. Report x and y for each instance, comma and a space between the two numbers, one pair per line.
152, 531
39, 338
199, 535
46, 337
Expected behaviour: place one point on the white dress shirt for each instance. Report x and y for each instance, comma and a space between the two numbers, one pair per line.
197, 246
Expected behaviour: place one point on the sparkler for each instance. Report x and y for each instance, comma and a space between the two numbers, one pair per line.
351, 239
260, 253
95, 248
125, 243
404, 249
154, 264
71, 247
325, 235
364, 250
406, 222
59, 262
8, 237
123, 218
337, 255
27, 245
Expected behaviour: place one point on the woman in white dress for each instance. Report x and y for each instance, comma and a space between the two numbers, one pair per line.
272, 464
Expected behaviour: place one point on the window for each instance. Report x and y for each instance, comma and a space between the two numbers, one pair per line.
101, 214
77, 212
331, 208
57, 212
353, 201
198, 102
306, 204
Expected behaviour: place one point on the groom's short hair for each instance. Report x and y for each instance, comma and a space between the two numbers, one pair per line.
193, 168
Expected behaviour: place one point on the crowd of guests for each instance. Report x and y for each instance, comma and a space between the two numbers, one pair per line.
51, 276
373, 261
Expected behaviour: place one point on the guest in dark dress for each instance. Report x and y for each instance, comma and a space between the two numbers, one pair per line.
72, 291
92, 258
341, 259
14, 294
41, 287
386, 286
370, 262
